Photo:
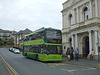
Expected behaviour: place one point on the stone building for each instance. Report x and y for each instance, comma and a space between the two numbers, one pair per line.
18, 38
6, 38
6, 34
81, 26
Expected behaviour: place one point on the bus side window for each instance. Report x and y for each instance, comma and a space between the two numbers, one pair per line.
58, 49
33, 37
41, 48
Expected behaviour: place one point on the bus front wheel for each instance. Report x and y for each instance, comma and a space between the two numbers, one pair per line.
25, 54
37, 57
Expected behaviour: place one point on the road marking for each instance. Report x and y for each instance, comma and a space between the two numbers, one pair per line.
84, 69
42, 63
91, 68
71, 71
58, 64
83, 66
52, 66
9, 68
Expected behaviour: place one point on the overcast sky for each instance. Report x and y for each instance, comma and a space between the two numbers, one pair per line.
32, 14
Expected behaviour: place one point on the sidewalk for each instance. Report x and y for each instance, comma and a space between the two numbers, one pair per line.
83, 62
3, 69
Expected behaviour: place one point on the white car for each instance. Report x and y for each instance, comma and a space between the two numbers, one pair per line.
10, 49
16, 51
13, 49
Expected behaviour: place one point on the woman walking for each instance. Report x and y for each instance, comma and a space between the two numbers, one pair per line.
68, 53
92, 54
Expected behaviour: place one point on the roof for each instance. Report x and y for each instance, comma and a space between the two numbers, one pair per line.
26, 31
5, 31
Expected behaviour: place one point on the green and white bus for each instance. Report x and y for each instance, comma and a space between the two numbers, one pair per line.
43, 45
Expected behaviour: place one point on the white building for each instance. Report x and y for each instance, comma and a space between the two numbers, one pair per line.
81, 26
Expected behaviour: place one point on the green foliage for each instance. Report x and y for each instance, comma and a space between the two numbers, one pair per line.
6, 42
0, 39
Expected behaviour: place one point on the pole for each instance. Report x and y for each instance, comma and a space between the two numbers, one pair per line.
99, 56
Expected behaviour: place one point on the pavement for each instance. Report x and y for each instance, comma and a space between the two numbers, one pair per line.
83, 62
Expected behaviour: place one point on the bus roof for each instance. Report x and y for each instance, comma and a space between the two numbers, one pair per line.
41, 31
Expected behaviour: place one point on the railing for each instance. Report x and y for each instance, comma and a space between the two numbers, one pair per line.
80, 24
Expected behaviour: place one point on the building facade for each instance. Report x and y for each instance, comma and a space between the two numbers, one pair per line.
81, 26
6, 34
18, 38
6, 38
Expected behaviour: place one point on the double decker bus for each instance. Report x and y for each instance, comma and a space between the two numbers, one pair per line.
43, 45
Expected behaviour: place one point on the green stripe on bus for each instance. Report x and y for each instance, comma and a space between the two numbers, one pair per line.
34, 42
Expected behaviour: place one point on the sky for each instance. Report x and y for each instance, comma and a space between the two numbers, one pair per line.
32, 14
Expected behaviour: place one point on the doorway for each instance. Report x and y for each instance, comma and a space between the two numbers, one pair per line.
86, 46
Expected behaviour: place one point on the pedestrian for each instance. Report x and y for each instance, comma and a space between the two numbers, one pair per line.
68, 53
92, 54
71, 53
76, 54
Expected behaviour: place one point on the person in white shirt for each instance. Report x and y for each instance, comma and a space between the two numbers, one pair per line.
92, 54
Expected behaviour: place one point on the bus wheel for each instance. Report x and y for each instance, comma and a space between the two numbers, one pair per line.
37, 58
25, 54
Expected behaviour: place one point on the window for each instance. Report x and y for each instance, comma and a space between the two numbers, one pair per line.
37, 36
35, 48
20, 36
53, 49
85, 13
70, 19
70, 41
64, 47
17, 39
53, 34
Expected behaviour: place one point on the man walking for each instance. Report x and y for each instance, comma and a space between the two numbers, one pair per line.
71, 53
76, 53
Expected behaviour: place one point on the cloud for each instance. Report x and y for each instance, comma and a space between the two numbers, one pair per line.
32, 14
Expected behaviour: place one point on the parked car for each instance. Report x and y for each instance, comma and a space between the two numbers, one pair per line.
16, 51
13, 49
10, 49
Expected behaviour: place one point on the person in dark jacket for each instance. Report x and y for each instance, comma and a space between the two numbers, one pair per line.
71, 53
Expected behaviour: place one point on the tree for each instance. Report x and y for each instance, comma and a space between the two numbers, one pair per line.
1, 41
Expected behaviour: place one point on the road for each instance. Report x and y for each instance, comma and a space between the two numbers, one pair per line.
25, 66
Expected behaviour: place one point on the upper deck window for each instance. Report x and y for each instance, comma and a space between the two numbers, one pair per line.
51, 34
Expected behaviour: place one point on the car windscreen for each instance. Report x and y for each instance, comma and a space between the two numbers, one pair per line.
17, 50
